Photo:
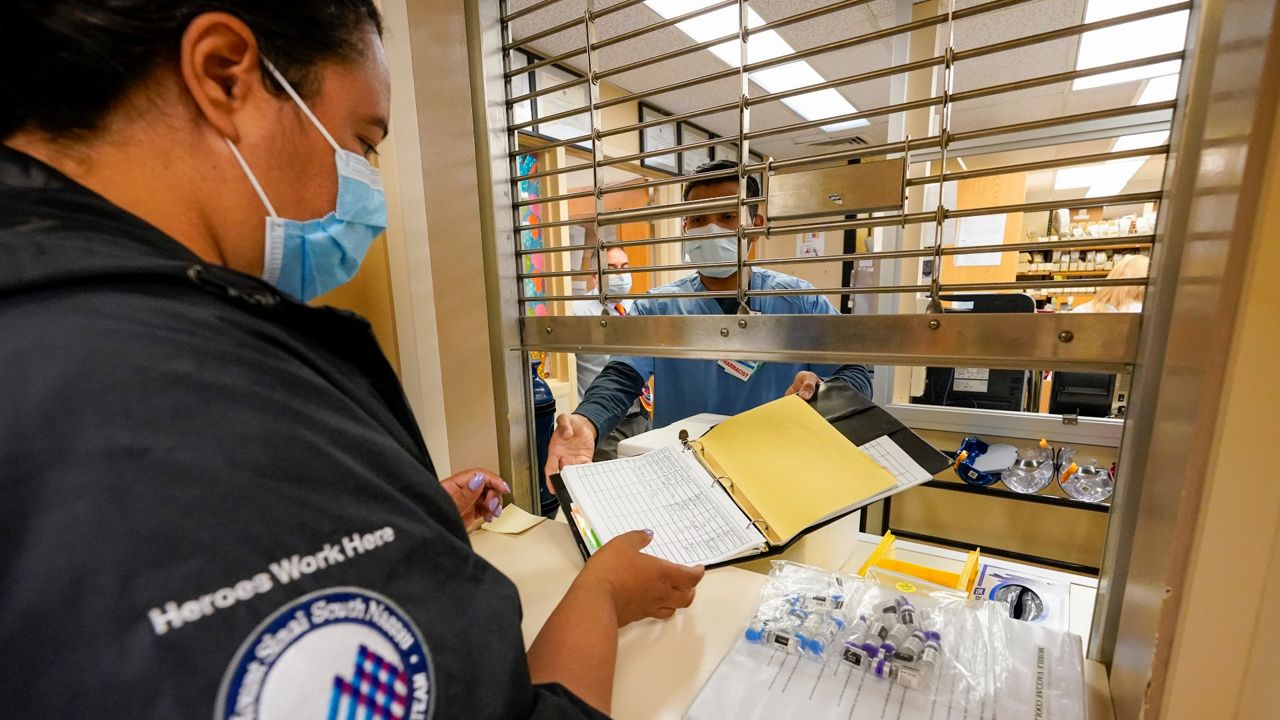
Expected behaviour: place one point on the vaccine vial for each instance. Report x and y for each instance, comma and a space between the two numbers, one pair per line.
906, 612
911, 649
932, 650
908, 677
885, 669
899, 634
878, 630
854, 655
819, 632
859, 629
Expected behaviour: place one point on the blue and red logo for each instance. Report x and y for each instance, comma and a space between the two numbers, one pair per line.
338, 654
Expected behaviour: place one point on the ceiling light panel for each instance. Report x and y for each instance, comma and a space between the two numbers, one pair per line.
1131, 41
1160, 89
761, 47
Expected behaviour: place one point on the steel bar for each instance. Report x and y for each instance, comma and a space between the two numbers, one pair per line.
973, 53
548, 32
657, 212
554, 198
954, 287
630, 296
1042, 165
920, 217
968, 94
528, 9
741, 279
667, 239
921, 24
632, 269
944, 132
547, 91
664, 23
916, 144
673, 150
552, 224
1101, 342
597, 148
1069, 244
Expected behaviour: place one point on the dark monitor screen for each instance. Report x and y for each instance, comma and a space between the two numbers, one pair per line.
978, 387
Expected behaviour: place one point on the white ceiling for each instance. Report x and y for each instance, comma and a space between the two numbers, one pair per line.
1025, 63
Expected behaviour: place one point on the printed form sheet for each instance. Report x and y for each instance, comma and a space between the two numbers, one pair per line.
666, 490
1039, 677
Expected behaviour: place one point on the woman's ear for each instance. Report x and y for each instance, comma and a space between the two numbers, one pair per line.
221, 68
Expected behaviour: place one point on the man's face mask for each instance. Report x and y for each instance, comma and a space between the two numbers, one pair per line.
712, 250
620, 284
307, 258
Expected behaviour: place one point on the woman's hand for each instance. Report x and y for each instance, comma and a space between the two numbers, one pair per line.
578, 645
477, 493
640, 585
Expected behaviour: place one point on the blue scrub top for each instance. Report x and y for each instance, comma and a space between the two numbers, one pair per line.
683, 387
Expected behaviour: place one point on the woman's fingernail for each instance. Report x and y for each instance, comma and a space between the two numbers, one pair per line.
476, 481
498, 513
493, 504
648, 532
506, 489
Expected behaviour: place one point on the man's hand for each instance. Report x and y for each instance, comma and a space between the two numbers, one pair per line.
640, 585
805, 385
572, 443
477, 493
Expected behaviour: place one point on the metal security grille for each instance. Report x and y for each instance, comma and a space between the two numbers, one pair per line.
916, 169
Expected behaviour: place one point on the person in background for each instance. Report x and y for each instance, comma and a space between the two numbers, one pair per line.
1120, 298
217, 501
636, 420
683, 387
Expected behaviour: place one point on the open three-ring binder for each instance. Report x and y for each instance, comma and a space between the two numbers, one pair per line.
752, 485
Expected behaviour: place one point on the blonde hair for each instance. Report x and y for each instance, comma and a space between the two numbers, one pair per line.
1120, 296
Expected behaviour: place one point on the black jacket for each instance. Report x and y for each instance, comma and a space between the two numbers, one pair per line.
215, 499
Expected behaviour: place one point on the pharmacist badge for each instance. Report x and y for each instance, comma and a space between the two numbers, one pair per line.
338, 653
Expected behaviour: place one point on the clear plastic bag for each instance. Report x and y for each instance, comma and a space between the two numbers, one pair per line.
924, 646
801, 610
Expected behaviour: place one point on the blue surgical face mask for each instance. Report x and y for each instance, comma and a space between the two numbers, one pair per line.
307, 258
712, 250
620, 284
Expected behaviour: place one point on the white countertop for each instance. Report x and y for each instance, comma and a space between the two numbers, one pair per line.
663, 664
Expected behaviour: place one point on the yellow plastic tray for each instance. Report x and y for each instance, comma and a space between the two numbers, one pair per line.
882, 557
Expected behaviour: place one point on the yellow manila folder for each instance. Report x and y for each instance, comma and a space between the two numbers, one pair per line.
783, 463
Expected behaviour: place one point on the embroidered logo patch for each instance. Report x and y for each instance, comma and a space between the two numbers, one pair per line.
343, 652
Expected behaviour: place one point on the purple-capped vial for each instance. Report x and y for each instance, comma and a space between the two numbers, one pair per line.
871, 650
899, 634
932, 649
887, 649
878, 630
912, 648
854, 655
906, 612
885, 669
908, 677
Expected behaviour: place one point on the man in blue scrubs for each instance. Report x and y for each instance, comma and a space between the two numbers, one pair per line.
685, 387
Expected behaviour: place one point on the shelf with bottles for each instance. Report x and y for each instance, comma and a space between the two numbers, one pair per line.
1072, 263
1040, 274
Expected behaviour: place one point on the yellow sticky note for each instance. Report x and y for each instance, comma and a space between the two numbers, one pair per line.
792, 466
513, 521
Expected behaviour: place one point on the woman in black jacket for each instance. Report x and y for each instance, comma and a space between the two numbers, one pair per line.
216, 500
